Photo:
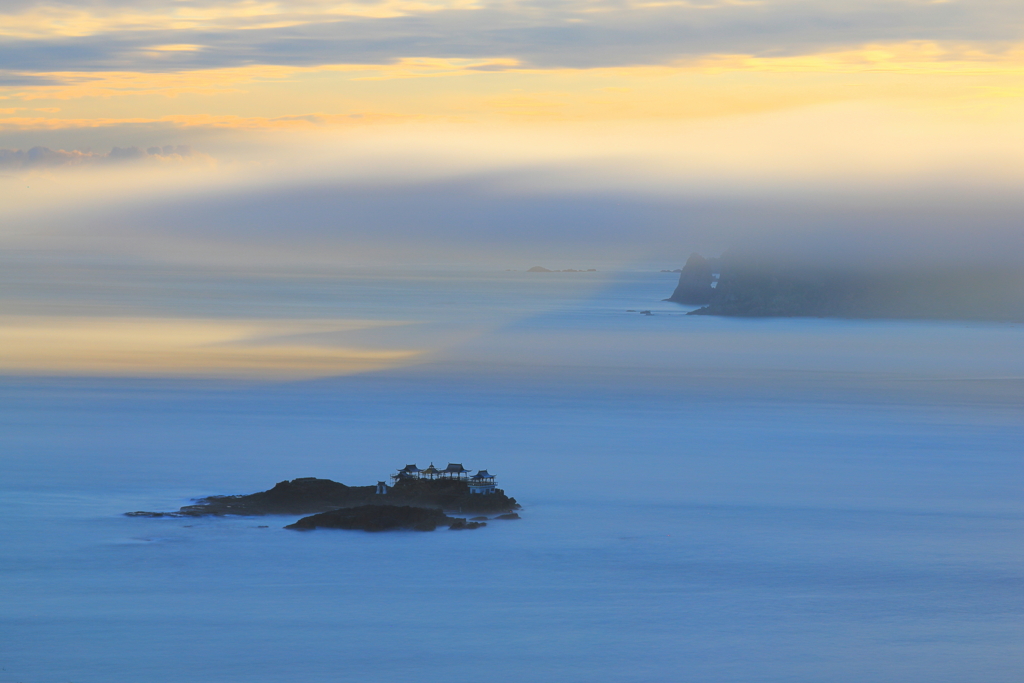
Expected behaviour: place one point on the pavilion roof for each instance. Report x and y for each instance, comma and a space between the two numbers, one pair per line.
410, 469
455, 467
482, 474
430, 470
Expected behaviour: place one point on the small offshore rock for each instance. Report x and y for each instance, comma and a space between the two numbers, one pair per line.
478, 519
510, 515
376, 518
460, 524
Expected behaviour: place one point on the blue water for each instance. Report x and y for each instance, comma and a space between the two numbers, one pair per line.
704, 499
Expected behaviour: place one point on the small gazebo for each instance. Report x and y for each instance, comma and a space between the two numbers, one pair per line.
454, 471
431, 472
407, 472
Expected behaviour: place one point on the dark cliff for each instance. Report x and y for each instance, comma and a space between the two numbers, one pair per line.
695, 281
753, 287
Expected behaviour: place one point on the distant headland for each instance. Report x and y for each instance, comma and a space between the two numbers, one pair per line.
414, 499
542, 269
748, 285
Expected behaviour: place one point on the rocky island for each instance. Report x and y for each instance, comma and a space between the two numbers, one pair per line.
743, 284
415, 499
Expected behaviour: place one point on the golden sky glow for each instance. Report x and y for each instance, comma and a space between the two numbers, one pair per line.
485, 89
315, 62
155, 347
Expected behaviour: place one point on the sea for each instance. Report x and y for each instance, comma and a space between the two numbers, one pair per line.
703, 499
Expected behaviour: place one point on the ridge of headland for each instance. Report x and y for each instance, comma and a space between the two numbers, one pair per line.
749, 286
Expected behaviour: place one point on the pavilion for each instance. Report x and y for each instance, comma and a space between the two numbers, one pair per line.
482, 482
454, 471
407, 472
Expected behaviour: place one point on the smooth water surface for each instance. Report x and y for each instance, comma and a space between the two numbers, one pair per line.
704, 499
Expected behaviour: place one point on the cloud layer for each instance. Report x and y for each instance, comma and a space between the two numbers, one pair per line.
160, 36
705, 122
44, 157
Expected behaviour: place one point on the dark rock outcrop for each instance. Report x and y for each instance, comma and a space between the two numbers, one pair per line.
381, 518
296, 497
460, 524
695, 281
309, 495
449, 494
539, 269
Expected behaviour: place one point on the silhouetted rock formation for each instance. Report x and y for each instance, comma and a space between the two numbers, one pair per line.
296, 497
539, 269
308, 495
695, 281
460, 524
382, 518
450, 494
756, 287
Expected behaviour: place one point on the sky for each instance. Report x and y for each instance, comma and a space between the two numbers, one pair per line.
470, 131
313, 134
464, 132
